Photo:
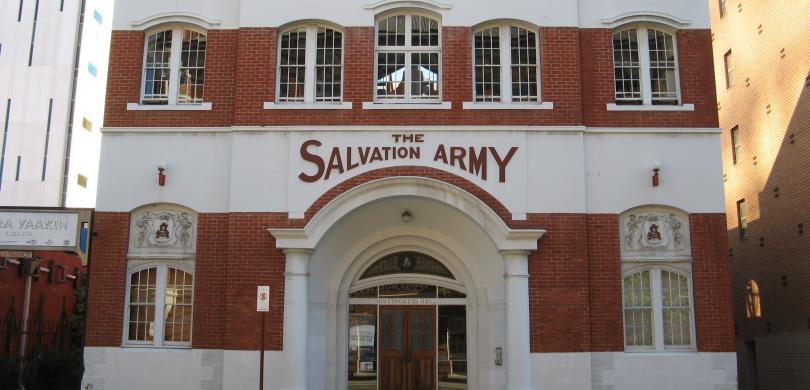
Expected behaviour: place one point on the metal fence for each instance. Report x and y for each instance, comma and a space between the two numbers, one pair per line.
39, 354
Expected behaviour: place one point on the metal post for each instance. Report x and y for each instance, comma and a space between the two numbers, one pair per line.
24, 330
261, 355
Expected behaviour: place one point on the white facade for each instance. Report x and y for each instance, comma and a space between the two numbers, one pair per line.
41, 134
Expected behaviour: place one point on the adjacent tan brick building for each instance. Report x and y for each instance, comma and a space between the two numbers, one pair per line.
763, 86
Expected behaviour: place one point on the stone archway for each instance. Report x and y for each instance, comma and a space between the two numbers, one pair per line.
361, 225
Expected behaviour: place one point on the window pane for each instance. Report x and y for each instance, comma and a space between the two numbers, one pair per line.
424, 75
487, 65
177, 311
676, 311
192, 67
328, 65
452, 347
391, 31
292, 66
363, 346
424, 31
391, 75
626, 66
524, 64
662, 67
638, 310
142, 305
156, 68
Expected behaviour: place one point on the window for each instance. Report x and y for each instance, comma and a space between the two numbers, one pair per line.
408, 54
722, 7
505, 60
98, 17
174, 67
645, 66
753, 306
310, 65
87, 124
159, 305
729, 69
658, 310
742, 220
92, 69
735, 144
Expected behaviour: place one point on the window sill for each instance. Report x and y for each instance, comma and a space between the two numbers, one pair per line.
407, 106
507, 106
307, 106
156, 347
205, 106
649, 107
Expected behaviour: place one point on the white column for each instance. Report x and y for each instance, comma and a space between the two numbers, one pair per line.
518, 353
295, 316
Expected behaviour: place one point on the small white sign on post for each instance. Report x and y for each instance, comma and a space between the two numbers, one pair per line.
263, 298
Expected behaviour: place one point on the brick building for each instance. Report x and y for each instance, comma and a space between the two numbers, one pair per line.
438, 195
763, 85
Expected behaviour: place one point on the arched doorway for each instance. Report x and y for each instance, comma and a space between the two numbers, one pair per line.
326, 259
407, 326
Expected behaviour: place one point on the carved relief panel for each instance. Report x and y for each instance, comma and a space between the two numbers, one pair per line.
655, 233
162, 230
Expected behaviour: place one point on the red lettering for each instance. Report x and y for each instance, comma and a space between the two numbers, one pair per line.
502, 163
314, 159
457, 154
335, 162
440, 154
478, 163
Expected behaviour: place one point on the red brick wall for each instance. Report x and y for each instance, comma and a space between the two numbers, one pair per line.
558, 285
253, 261
210, 274
574, 284
605, 280
124, 83
106, 289
711, 281
576, 75
696, 76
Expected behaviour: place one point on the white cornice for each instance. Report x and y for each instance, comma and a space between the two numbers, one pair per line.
384, 5
646, 16
175, 17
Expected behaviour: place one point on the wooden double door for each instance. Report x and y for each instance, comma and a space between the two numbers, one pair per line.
407, 356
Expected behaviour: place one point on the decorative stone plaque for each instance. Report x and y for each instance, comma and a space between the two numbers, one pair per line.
655, 233
161, 230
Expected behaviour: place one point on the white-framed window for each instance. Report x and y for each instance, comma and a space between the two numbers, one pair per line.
310, 65
160, 296
174, 66
645, 65
658, 308
729, 67
407, 58
506, 64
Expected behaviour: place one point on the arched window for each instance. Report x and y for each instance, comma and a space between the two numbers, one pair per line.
505, 58
657, 309
408, 58
174, 66
310, 66
159, 305
160, 276
753, 305
645, 66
